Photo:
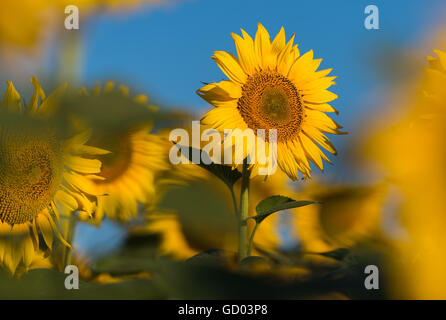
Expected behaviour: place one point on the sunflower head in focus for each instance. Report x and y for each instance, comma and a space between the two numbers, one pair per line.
42, 175
272, 86
136, 156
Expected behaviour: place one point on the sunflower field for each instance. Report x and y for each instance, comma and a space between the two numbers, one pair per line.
209, 150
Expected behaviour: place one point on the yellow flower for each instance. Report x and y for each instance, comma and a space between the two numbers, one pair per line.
437, 64
346, 215
173, 239
41, 175
26, 23
272, 86
411, 154
21, 23
181, 173
136, 156
433, 86
39, 261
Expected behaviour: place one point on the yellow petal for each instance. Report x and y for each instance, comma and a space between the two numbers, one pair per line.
324, 107
278, 42
322, 122
245, 52
38, 93
83, 165
319, 137
51, 103
11, 99
230, 66
45, 229
109, 86
218, 93
80, 182
320, 96
312, 151
262, 46
316, 85
301, 68
285, 59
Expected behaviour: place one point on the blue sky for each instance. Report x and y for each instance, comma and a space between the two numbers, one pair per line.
165, 52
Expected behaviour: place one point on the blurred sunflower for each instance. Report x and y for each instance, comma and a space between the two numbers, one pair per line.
346, 215
21, 22
173, 242
420, 181
174, 239
271, 86
433, 85
26, 23
135, 158
41, 175
437, 64
181, 173
40, 261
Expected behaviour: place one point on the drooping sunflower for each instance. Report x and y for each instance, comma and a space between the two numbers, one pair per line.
272, 86
42, 175
136, 156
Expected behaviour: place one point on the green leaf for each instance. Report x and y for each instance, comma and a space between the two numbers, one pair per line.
274, 204
337, 254
211, 257
253, 262
224, 173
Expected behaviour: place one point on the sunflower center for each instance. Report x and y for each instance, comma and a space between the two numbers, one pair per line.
30, 174
271, 101
118, 160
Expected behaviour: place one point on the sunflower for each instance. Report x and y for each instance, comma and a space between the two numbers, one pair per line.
173, 232
42, 175
173, 242
27, 23
272, 86
433, 86
136, 156
438, 64
420, 180
346, 215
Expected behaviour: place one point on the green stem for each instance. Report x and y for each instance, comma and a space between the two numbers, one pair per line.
69, 238
234, 201
244, 206
251, 238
